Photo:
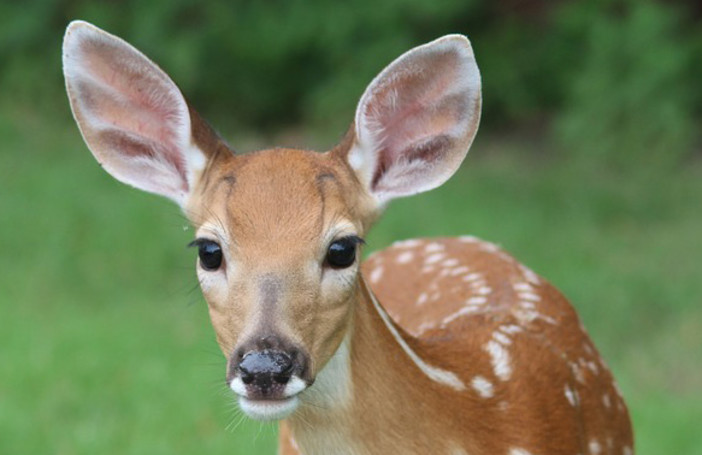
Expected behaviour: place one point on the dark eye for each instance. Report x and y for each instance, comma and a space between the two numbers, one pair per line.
210, 254
342, 252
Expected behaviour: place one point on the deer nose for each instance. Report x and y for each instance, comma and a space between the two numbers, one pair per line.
263, 368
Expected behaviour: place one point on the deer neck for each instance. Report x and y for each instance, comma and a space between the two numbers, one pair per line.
367, 394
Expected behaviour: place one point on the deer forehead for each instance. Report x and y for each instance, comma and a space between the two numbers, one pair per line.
278, 202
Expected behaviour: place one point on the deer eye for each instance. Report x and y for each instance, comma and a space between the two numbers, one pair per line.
342, 253
210, 254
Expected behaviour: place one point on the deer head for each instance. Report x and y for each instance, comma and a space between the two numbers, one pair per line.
278, 231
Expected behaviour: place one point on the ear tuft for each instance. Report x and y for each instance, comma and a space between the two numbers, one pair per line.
132, 116
416, 120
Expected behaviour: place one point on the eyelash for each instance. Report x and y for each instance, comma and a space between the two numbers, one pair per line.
352, 238
199, 241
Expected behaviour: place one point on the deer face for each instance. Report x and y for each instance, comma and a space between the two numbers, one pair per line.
278, 234
277, 231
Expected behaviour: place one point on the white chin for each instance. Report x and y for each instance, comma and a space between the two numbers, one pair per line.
269, 409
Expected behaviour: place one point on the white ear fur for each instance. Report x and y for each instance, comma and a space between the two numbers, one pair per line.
417, 119
132, 116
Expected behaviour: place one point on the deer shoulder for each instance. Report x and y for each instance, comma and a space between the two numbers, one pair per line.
528, 364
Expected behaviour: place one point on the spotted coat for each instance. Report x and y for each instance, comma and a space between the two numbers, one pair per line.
529, 365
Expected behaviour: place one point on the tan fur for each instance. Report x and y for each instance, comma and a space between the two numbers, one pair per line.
268, 234
395, 408
483, 357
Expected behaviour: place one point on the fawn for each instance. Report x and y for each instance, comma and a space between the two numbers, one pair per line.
440, 346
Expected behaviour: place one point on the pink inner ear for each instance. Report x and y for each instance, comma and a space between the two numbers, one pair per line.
125, 96
417, 113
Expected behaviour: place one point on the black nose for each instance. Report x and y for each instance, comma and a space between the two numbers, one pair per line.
262, 368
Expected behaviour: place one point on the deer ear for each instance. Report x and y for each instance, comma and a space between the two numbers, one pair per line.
417, 119
132, 116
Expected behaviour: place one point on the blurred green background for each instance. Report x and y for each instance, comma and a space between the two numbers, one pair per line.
588, 167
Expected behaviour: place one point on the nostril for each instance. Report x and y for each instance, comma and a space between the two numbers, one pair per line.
281, 379
263, 367
246, 377
283, 376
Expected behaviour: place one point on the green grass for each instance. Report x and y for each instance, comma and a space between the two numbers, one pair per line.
106, 343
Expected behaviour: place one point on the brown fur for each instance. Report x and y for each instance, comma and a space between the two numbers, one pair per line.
395, 407
524, 376
398, 410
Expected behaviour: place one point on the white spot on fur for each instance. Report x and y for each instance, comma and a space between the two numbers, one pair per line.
529, 296
484, 387
459, 270
606, 401
593, 367
376, 275
404, 257
477, 300
433, 247
578, 373
570, 395
518, 451
421, 300
501, 338
434, 258
450, 262
525, 316
510, 329
523, 287
499, 357
489, 247
595, 447
468, 239
427, 269
485, 290
627, 451
472, 277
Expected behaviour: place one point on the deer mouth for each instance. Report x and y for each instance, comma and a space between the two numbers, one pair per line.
269, 408
271, 404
